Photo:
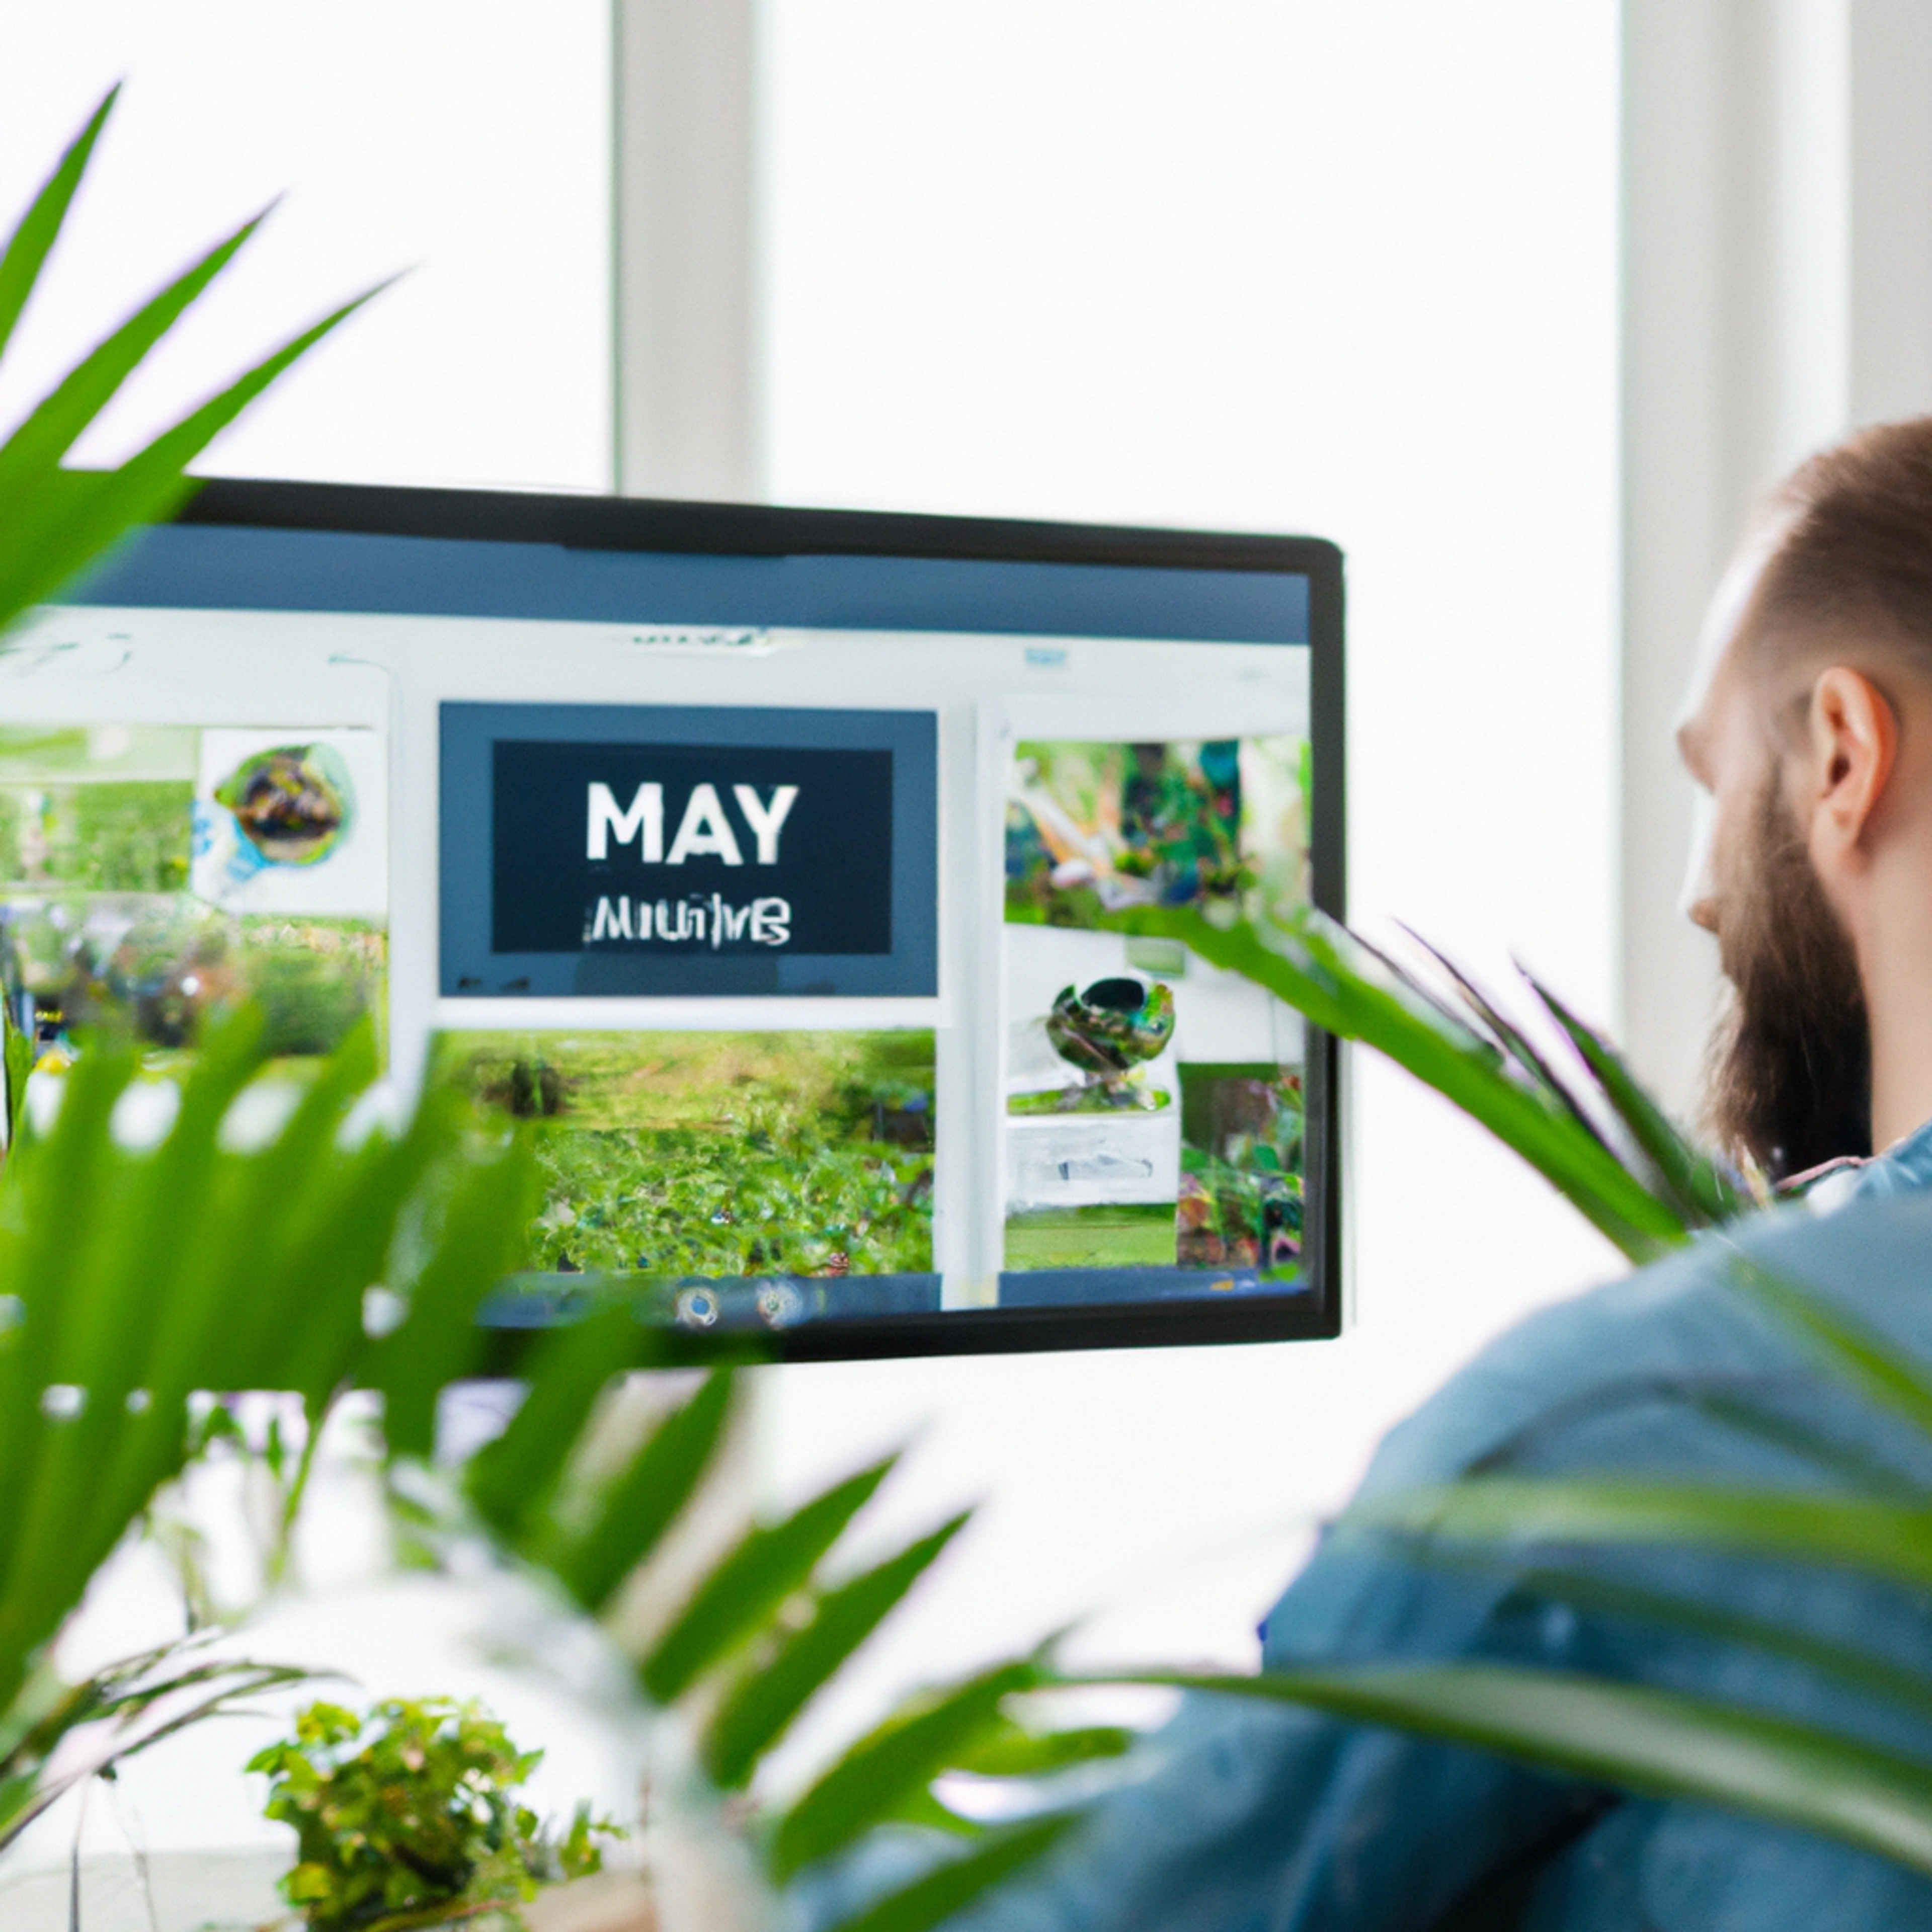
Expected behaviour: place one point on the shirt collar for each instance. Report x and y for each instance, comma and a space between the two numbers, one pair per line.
1904, 1167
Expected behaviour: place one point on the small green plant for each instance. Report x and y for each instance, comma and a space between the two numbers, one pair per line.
408, 1817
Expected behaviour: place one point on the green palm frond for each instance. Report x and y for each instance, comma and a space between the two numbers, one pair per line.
1589, 1129
758, 1705
1658, 1743
55, 521
125, 1708
137, 1280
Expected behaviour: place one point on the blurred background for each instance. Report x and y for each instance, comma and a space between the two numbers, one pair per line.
1520, 305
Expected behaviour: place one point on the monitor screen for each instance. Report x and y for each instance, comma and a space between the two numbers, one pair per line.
760, 862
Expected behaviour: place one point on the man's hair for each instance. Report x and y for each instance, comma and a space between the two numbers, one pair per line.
1853, 548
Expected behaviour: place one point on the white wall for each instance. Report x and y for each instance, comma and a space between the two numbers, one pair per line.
1284, 265
466, 141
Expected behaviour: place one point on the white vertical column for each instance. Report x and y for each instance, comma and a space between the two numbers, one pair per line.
1693, 288
1806, 398
1777, 174
686, 332
1889, 115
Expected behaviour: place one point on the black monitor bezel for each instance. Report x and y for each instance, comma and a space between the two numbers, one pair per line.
640, 524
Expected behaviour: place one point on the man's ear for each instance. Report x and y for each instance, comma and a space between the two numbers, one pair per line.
1851, 734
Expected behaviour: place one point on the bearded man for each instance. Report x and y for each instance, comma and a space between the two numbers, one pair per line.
1811, 734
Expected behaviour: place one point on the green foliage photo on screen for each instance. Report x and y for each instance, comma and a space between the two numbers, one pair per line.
719, 1153
1094, 827
103, 933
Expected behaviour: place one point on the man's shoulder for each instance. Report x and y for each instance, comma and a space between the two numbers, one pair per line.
1683, 1323
1904, 1169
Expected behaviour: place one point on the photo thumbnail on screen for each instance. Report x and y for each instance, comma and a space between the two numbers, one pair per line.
1153, 1122
740, 1179
153, 875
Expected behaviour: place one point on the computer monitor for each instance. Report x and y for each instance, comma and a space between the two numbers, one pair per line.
760, 860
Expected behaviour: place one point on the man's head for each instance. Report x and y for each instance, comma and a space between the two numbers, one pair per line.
1812, 733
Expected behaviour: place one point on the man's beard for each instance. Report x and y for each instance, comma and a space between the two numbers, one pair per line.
1789, 1077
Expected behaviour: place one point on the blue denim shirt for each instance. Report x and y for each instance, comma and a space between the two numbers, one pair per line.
1904, 1169
1251, 1819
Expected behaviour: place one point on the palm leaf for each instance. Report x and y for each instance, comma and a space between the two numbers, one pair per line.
949, 1889
894, 1764
1309, 968
27, 251
52, 428
1646, 1199
16, 1063
1533, 1064
114, 1702
514, 1481
1887, 1539
1659, 1743
1704, 1192
481, 1222
770, 1563
758, 1707
62, 520
54, 522
1873, 1363
144, 1275
1009, 1750
1888, 1683
639, 1506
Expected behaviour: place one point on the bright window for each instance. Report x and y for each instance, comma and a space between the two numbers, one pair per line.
466, 142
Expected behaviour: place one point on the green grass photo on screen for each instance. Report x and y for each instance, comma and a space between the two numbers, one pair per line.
719, 1154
